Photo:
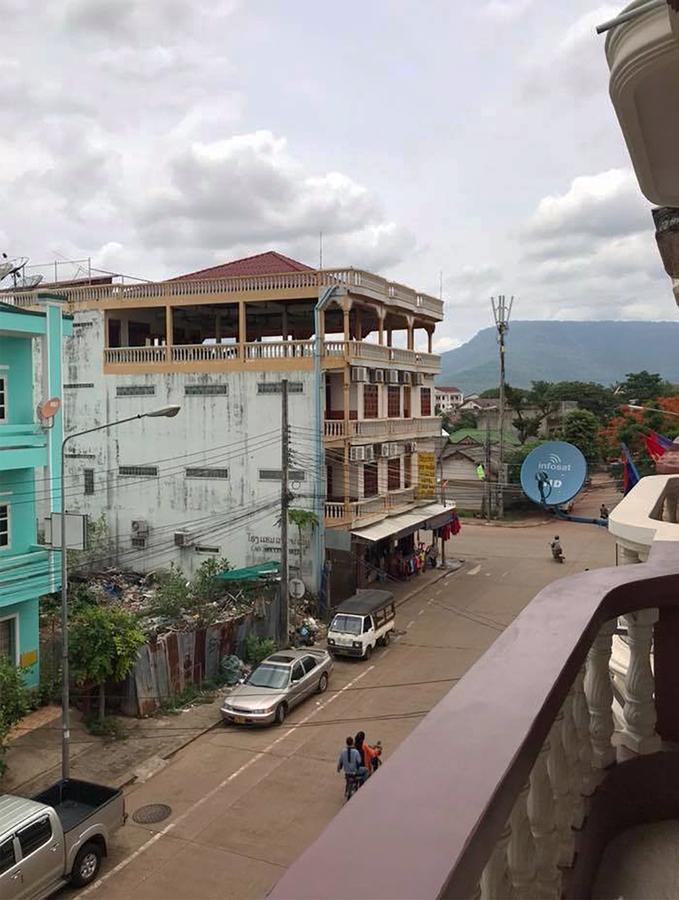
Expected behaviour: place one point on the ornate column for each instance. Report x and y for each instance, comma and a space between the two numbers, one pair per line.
569, 737
639, 714
589, 777
599, 695
542, 817
521, 850
495, 883
557, 766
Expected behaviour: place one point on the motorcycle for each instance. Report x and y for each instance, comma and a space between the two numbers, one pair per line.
557, 553
351, 784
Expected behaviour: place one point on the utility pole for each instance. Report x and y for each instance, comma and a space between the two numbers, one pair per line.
502, 310
284, 612
487, 485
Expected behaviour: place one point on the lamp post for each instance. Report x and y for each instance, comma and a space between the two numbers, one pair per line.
665, 412
166, 411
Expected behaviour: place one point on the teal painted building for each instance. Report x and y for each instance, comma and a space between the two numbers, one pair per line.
30, 372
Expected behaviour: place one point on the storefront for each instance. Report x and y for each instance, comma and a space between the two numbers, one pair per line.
401, 546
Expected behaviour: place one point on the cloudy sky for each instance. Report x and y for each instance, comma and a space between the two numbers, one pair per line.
473, 138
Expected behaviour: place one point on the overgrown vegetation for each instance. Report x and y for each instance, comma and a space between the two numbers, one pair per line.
14, 703
256, 649
176, 595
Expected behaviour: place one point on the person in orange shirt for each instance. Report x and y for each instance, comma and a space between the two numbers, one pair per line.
367, 752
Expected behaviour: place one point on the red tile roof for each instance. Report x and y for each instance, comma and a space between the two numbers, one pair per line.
269, 263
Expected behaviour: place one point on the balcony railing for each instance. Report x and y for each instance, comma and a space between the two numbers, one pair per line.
188, 353
379, 428
355, 280
400, 498
512, 783
279, 350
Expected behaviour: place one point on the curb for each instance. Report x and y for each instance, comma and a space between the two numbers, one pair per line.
480, 524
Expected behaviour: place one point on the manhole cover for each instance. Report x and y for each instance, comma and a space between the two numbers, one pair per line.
154, 812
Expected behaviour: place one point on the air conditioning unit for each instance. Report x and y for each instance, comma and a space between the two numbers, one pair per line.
411, 447
384, 449
392, 376
378, 375
369, 454
182, 538
357, 454
138, 542
418, 378
140, 527
406, 377
360, 373
394, 449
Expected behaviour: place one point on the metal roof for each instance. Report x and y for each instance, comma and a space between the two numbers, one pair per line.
433, 516
365, 602
15, 810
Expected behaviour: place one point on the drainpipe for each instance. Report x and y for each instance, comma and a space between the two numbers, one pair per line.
326, 294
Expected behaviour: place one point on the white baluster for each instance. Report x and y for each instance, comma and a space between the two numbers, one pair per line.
599, 694
521, 850
495, 883
569, 736
542, 818
639, 714
557, 766
588, 774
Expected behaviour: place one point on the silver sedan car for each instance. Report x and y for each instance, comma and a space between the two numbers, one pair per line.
279, 683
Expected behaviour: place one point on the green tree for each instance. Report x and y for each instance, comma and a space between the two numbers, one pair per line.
515, 460
303, 519
589, 395
526, 421
104, 643
490, 394
13, 702
466, 419
643, 386
581, 428
205, 586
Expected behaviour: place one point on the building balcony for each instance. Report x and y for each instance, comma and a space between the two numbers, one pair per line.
359, 513
382, 429
24, 576
643, 57
261, 355
518, 781
285, 286
22, 446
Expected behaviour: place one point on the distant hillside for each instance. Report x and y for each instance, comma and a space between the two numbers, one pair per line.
564, 351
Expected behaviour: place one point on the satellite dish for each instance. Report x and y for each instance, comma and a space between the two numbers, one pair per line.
48, 409
296, 588
12, 266
31, 281
553, 473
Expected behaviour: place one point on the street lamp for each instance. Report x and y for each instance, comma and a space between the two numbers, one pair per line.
665, 412
166, 411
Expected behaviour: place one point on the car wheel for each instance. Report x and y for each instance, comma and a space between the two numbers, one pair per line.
86, 866
281, 712
368, 652
323, 683
386, 639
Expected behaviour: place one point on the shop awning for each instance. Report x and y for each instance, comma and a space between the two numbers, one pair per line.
433, 516
250, 573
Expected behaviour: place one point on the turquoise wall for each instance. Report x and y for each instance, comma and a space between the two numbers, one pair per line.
16, 352
17, 488
27, 631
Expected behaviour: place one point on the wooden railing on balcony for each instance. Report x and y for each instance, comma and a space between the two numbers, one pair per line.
354, 280
518, 761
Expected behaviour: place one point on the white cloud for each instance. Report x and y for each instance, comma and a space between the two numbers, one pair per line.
444, 342
506, 10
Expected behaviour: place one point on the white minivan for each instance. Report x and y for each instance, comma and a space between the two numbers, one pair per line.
361, 623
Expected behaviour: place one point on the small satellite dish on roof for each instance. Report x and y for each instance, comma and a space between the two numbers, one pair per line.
553, 473
30, 281
48, 409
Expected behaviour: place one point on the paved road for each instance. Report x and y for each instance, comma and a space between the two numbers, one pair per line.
245, 803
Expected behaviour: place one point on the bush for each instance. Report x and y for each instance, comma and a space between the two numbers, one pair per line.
257, 649
14, 702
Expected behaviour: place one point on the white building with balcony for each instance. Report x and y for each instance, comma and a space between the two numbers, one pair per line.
219, 342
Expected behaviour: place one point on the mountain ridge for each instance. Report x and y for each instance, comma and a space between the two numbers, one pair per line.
601, 351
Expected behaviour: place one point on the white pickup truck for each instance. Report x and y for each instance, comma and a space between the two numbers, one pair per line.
57, 838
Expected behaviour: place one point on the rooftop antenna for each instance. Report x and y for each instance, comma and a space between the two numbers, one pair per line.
502, 310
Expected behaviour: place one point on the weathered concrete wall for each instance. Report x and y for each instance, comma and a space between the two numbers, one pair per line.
238, 431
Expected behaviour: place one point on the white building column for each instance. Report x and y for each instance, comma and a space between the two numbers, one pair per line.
639, 716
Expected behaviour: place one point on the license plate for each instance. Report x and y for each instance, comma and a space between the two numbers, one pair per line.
239, 719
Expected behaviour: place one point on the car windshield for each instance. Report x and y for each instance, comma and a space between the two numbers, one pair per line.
347, 624
269, 676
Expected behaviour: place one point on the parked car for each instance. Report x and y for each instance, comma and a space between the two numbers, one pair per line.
276, 685
57, 838
361, 623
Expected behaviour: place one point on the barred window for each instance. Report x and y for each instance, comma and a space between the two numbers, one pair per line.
206, 390
136, 390
144, 471
3, 398
277, 474
4, 525
276, 387
200, 548
207, 473
89, 480
78, 384
75, 455
83, 324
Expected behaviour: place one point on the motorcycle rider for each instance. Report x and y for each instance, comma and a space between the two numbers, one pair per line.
557, 550
350, 761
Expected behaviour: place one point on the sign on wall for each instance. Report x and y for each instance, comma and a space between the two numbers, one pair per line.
426, 475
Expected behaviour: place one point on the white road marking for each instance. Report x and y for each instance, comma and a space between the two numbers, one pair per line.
172, 825
421, 612
474, 571
410, 624
385, 652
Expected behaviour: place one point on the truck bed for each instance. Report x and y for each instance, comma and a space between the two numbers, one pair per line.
74, 801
